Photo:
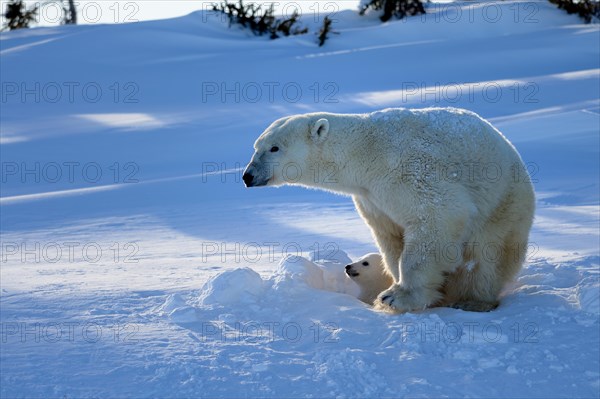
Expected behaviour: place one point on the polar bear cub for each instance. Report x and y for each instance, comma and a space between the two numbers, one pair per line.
370, 274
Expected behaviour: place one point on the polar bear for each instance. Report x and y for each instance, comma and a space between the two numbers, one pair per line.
371, 276
439, 188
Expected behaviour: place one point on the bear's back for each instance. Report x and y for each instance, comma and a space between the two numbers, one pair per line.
453, 131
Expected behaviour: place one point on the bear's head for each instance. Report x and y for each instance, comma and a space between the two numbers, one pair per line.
369, 267
284, 153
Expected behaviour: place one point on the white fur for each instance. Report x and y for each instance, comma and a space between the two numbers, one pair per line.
371, 276
429, 183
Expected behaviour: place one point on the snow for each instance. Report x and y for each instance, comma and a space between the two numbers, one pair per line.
134, 263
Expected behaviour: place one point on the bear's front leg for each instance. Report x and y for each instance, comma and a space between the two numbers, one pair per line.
388, 234
391, 247
421, 276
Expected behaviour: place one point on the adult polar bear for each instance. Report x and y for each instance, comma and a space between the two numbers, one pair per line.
440, 188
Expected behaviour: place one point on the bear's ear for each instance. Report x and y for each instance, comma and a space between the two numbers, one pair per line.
319, 130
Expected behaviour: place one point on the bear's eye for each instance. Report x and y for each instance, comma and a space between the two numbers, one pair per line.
365, 263
274, 148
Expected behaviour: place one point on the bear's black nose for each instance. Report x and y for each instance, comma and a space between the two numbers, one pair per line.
348, 267
247, 177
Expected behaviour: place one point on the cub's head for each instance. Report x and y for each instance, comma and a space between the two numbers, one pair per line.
283, 153
370, 274
369, 267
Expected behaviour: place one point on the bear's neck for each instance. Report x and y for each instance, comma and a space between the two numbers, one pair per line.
338, 166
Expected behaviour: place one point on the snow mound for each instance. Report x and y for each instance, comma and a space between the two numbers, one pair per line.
295, 277
172, 303
234, 287
328, 274
332, 271
336, 256
299, 270
177, 309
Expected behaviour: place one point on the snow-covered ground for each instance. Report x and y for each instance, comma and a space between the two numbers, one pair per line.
134, 263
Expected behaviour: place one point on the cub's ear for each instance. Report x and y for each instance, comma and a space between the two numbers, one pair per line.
319, 130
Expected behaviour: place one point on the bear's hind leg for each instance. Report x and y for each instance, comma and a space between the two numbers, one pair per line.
478, 288
475, 286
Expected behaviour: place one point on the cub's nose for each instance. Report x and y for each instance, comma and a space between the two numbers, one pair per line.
348, 267
248, 178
